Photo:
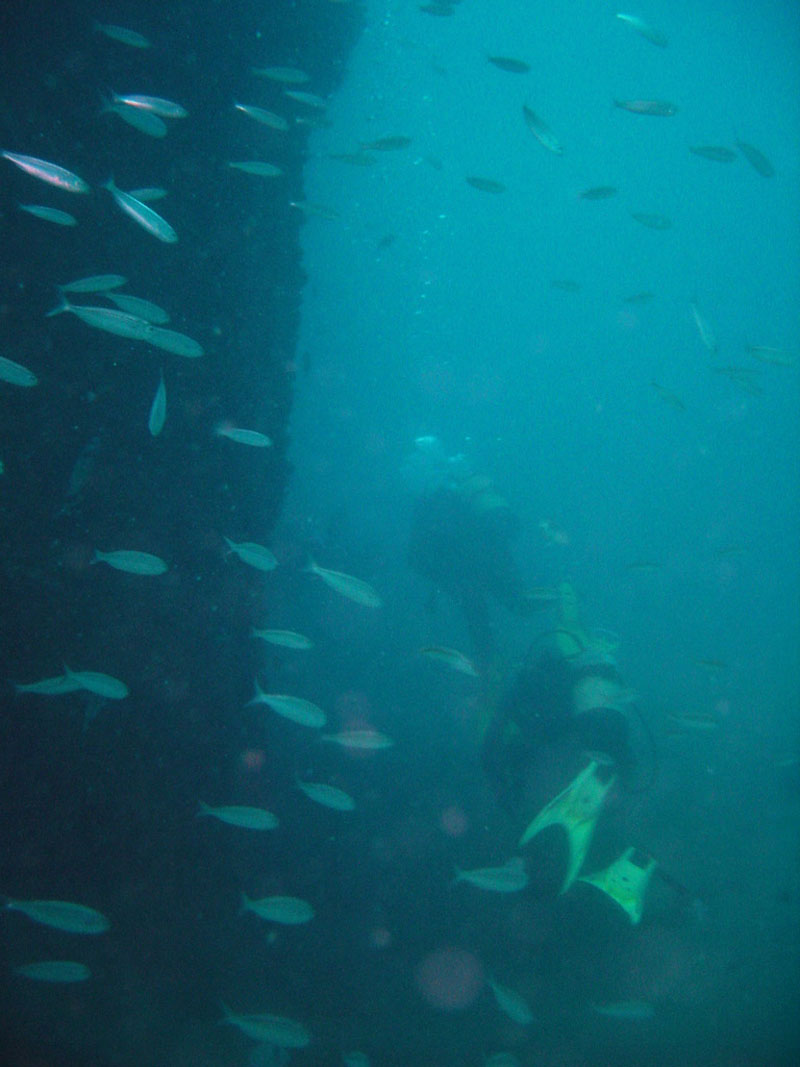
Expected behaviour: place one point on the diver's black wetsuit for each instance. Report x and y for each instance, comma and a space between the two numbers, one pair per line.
467, 554
538, 711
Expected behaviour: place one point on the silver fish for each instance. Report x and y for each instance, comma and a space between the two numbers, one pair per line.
62, 915
142, 309
15, 373
242, 436
541, 131
142, 214
49, 214
258, 556
48, 172
303, 712
348, 586
97, 283
289, 911
327, 795
266, 118
158, 409
246, 818
132, 562
155, 105
54, 971
121, 34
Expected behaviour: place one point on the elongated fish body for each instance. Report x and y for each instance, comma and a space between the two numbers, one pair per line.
348, 586
510, 878
49, 214
625, 1009
270, 1029
266, 118
50, 687
142, 309
48, 172
293, 708
241, 436
54, 971
286, 75
650, 34
143, 121
246, 818
142, 214
111, 320
149, 193
452, 658
661, 108
132, 562
541, 131
327, 795
757, 160
717, 153
122, 35
511, 1003
158, 409
97, 283
363, 740
172, 341
62, 915
258, 556
258, 167
154, 105
284, 638
102, 685
704, 329
16, 374
289, 911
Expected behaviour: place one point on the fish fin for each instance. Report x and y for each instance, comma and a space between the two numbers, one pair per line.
64, 305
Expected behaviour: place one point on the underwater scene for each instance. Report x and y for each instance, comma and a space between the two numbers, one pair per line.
400, 525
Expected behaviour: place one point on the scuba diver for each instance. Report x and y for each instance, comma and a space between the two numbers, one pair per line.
462, 532
569, 717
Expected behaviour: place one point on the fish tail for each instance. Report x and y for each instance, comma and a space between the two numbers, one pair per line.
203, 808
64, 305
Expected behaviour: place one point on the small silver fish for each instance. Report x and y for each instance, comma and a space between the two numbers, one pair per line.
121, 34
54, 971
158, 409
242, 436
62, 915
258, 556
143, 121
48, 172
142, 214
257, 167
97, 283
284, 638
289, 911
327, 795
348, 586
131, 562
541, 131
49, 214
104, 685
266, 118
142, 309
15, 373
363, 740
247, 818
155, 105
296, 709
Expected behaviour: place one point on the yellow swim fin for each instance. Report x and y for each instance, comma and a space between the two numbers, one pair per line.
576, 808
626, 881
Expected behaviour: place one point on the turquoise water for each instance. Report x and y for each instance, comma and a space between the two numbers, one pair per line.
366, 300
